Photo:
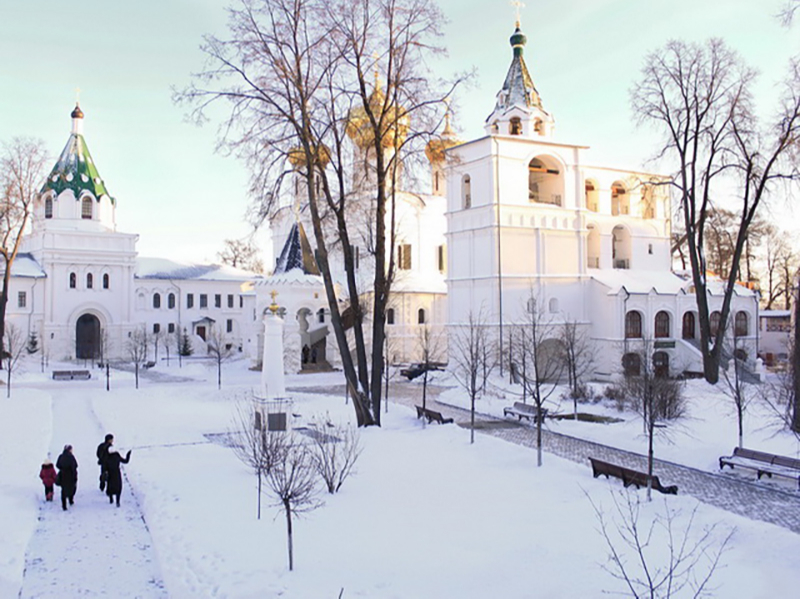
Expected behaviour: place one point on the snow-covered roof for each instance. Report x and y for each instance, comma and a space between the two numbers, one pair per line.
663, 282
417, 282
163, 268
25, 265
775, 313
296, 276
639, 281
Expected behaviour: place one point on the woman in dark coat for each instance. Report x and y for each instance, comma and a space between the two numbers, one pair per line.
67, 476
112, 462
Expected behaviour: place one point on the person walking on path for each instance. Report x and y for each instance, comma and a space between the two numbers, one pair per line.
48, 476
114, 484
67, 476
102, 452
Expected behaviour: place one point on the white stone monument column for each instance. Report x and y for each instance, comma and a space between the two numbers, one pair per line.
273, 384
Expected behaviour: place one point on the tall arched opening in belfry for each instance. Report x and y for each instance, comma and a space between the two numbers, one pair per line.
87, 337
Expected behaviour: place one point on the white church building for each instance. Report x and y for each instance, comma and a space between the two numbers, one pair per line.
513, 216
529, 219
80, 288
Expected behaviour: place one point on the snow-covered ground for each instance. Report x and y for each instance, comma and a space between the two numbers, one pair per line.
425, 515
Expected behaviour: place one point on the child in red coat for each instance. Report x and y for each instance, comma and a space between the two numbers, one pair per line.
48, 476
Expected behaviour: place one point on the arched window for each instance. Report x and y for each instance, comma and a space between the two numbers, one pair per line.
321, 315
171, 301
619, 199
688, 325
713, 322
633, 325
466, 191
48, 208
740, 354
553, 305
89, 280
543, 183
648, 202
592, 196
662, 324
86, 208
156, 300
538, 126
390, 316
106, 281
436, 181
421, 316
515, 126
631, 364
740, 324
73, 280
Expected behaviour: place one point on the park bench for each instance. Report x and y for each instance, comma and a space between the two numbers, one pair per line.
432, 416
147, 365
524, 410
71, 375
630, 477
763, 463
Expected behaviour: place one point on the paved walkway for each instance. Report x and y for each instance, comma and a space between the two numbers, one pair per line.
757, 501
93, 549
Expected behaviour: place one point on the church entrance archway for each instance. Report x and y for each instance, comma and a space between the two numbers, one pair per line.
87, 337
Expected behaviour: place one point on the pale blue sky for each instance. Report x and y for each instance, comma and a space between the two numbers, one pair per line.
183, 199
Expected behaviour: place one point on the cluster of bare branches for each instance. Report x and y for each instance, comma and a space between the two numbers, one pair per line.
304, 80
136, 348
658, 557
14, 346
655, 396
282, 459
219, 348
22, 170
335, 453
578, 356
543, 360
471, 357
241, 253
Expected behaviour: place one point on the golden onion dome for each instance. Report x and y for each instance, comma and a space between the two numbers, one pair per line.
297, 156
436, 147
360, 130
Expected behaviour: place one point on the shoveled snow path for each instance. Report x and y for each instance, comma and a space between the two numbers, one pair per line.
94, 549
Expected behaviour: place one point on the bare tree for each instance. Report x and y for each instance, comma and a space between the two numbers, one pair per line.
136, 349
700, 98
469, 344
578, 358
300, 78
22, 170
14, 348
292, 480
431, 353
656, 397
780, 262
737, 389
256, 447
241, 253
336, 452
219, 348
636, 554
158, 337
543, 354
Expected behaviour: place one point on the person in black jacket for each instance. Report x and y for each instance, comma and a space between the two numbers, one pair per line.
67, 476
102, 451
112, 462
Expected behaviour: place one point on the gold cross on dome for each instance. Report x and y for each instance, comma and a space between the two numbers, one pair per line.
273, 294
517, 5
77, 95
